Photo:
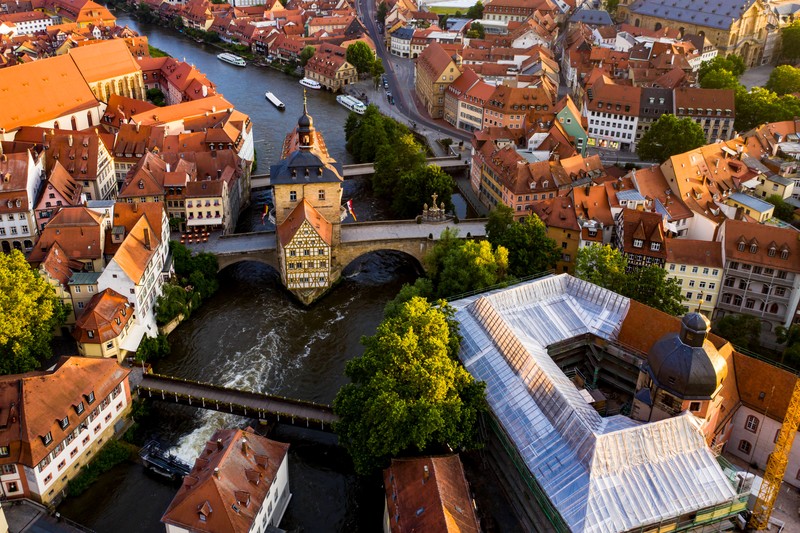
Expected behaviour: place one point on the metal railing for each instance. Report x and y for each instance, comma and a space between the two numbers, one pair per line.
503, 285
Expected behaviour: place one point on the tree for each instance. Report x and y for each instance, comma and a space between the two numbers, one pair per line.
360, 56
740, 330
306, 53
368, 136
783, 209
602, 265
651, 286
784, 79
530, 250
476, 30
476, 11
456, 266
408, 394
31, 311
611, 6
377, 70
152, 348
791, 338
421, 288
670, 135
719, 79
416, 187
393, 160
790, 41
732, 63
156, 96
759, 106
383, 9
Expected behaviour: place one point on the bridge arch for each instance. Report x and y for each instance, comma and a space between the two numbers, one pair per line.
413, 260
416, 249
265, 257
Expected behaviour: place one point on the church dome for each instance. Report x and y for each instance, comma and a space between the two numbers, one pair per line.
304, 122
687, 364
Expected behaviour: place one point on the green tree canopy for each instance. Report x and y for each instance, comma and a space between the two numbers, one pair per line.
416, 187
740, 330
31, 310
393, 160
383, 9
476, 11
367, 133
476, 31
376, 71
790, 41
732, 63
783, 209
759, 106
784, 79
611, 6
456, 266
306, 53
409, 394
530, 250
719, 79
670, 135
606, 266
360, 56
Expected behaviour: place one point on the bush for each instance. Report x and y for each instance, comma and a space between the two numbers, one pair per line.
112, 454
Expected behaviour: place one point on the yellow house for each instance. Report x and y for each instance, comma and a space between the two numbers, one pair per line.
753, 207
559, 216
435, 70
207, 205
774, 184
697, 266
102, 329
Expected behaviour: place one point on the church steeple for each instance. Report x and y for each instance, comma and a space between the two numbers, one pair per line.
305, 127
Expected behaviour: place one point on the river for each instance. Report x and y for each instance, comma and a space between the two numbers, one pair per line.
252, 335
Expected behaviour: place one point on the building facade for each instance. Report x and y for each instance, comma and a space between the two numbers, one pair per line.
435, 70
697, 267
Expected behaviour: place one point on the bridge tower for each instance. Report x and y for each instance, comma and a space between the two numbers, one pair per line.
307, 191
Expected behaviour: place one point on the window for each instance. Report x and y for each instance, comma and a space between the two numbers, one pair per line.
751, 424
321, 194
672, 267
715, 271
13, 487
64, 422
655, 246
90, 334
694, 270
292, 196
5, 453
683, 268
638, 243
47, 439
745, 446
777, 434
689, 295
691, 283
48, 479
80, 408
705, 271
694, 406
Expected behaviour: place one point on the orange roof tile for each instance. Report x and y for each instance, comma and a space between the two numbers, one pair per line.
134, 253
105, 316
694, 252
105, 60
304, 212
783, 241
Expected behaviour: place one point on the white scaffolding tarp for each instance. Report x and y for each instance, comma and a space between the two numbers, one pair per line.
603, 475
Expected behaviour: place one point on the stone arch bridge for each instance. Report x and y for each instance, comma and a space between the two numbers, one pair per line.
361, 238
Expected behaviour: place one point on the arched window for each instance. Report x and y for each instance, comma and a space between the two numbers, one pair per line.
773, 309
636, 22
751, 424
745, 446
657, 26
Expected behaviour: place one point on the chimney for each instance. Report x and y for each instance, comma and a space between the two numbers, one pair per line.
137, 126
216, 472
425, 474
135, 207
70, 140
244, 446
168, 167
219, 173
219, 444
147, 238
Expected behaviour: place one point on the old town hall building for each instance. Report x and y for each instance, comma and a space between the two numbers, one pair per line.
307, 190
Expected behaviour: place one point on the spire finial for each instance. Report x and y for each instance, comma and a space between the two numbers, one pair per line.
305, 101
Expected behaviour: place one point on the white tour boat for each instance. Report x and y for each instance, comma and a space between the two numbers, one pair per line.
274, 101
232, 59
309, 83
353, 104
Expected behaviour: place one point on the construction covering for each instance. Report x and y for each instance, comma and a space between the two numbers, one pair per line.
602, 474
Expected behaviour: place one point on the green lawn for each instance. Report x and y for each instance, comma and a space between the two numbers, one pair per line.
444, 10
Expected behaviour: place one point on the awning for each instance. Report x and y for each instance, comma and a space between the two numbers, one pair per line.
205, 221
134, 337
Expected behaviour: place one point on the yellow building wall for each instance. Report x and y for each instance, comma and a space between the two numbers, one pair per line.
693, 283
329, 207
568, 242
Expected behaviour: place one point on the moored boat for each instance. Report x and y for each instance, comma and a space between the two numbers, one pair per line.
353, 104
309, 83
274, 100
233, 59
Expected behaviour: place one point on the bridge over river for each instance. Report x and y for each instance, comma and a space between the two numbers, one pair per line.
357, 239
250, 404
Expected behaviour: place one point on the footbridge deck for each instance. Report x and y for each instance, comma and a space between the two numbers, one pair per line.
244, 403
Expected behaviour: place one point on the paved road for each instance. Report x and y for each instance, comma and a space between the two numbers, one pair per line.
409, 230
401, 82
756, 76
233, 244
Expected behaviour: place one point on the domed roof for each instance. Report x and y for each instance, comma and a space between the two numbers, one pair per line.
687, 364
304, 122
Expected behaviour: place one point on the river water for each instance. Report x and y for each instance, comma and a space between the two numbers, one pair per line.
252, 335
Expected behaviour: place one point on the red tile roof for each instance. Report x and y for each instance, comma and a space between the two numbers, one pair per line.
304, 212
783, 241
105, 316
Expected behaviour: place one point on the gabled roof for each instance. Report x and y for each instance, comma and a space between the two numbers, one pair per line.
100, 317
644, 226
719, 14
304, 212
77, 231
104, 60
764, 238
429, 494
135, 253
41, 399
694, 252
228, 484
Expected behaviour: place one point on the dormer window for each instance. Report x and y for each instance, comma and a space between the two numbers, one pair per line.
141, 184
80, 408
772, 251
47, 439
90, 398
753, 248
784, 254
741, 247
64, 422
655, 246
638, 243
90, 334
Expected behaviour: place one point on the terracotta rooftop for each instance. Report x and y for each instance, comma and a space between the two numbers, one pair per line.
557, 212
429, 494
104, 60
105, 317
694, 252
137, 249
646, 227
228, 484
304, 212
777, 248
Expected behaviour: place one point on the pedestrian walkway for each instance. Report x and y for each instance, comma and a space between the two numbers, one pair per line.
31, 517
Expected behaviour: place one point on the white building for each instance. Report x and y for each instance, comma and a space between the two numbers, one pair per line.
613, 115
21, 178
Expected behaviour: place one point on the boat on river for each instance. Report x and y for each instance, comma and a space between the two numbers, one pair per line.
274, 100
309, 83
233, 59
353, 104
